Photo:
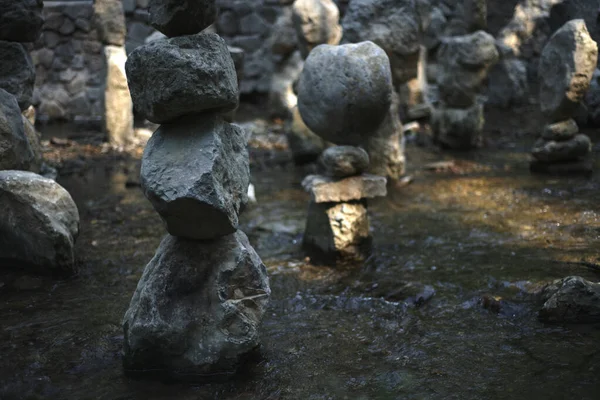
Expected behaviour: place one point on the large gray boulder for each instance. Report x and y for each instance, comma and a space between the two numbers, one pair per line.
178, 18
565, 70
21, 20
316, 22
15, 150
195, 172
572, 300
197, 308
464, 64
39, 223
17, 74
181, 76
344, 92
109, 18
394, 25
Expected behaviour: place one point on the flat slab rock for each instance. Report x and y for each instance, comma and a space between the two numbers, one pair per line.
197, 309
325, 189
39, 223
195, 172
182, 76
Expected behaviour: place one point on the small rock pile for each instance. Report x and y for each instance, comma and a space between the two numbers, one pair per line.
39, 221
464, 62
566, 69
197, 307
337, 228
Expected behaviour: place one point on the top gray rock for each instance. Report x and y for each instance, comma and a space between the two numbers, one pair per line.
181, 76
344, 92
566, 67
109, 18
316, 22
21, 20
394, 25
178, 18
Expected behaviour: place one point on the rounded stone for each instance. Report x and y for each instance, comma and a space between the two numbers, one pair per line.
569, 150
344, 92
343, 161
560, 131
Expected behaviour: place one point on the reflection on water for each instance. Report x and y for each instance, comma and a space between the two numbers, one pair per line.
480, 242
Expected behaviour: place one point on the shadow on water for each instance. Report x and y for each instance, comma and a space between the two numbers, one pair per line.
445, 309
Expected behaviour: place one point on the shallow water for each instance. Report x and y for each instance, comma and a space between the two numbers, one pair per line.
485, 238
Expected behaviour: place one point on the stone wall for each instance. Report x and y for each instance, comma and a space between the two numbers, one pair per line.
70, 64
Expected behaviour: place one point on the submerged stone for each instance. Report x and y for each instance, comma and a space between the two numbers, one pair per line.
182, 76
344, 161
195, 172
178, 18
39, 223
197, 308
325, 189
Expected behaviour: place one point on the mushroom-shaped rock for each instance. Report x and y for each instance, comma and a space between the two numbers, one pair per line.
344, 92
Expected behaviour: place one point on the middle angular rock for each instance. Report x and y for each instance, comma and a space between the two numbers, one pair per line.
195, 172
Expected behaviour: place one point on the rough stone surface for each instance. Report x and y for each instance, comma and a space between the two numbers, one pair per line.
566, 68
508, 83
178, 18
344, 92
571, 300
344, 161
560, 131
394, 25
118, 117
305, 145
180, 76
568, 150
465, 61
38, 224
110, 21
15, 150
458, 128
337, 232
197, 308
17, 74
325, 189
21, 20
316, 22
195, 173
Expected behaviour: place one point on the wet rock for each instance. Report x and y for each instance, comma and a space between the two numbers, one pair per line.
197, 309
118, 107
458, 128
195, 173
325, 189
344, 161
181, 76
38, 224
571, 300
566, 68
568, 150
305, 145
109, 19
560, 131
337, 232
316, 22
465, 61
17, 74
15, 150
344, 92
178, 18
394, 25
21, 20
508, 83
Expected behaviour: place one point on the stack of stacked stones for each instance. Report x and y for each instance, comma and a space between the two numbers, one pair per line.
566, 69
198, 305
345, 95
465, 61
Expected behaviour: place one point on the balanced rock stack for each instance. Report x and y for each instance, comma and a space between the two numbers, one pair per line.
39, 221
566, 69
464, 64
337, 228
198, 305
